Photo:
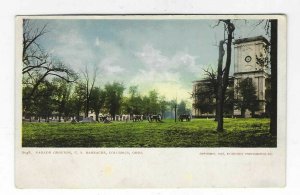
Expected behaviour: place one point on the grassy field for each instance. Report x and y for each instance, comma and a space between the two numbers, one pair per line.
197, 133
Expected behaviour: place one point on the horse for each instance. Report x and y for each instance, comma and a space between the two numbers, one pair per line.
157, 118
185, 117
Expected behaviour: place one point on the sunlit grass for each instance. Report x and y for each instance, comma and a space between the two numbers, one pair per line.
197, 133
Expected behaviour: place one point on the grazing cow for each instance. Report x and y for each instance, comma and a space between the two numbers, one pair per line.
185, 117
104, 118
118, 117
137, 118
125, 117
157, 118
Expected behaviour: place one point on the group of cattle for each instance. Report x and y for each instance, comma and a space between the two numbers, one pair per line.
137, 118
108, 118
127, 118
123, 117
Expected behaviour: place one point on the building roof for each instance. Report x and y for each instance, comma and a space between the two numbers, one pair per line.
230, 78
250, 39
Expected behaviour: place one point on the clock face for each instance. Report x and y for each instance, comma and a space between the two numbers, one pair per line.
248, 58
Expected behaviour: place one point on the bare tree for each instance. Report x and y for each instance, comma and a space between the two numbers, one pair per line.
31, 47
223, 74
54, 68
89, 81
38, 64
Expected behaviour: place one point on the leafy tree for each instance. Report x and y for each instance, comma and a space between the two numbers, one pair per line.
182, 108
78, 99
153, 102
44, 102
114, 95
163, 104
62, 92
146, 105
205, 96
246, 98
134, 103
97, 100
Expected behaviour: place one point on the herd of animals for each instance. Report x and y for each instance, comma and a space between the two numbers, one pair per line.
137, 118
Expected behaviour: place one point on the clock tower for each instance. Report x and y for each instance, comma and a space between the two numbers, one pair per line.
249, 55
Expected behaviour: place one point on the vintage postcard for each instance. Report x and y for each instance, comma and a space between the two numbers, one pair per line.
150, 101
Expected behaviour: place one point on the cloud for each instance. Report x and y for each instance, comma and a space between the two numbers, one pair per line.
152, 58
108, 67
172, 75
97, 42
73, 49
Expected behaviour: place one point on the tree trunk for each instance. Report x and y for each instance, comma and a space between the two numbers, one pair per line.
222, 78
220, 114
273, 58
219, 103
253, 113
59, 117
243, 111
87, 108
97, 116
175, 113
78, 116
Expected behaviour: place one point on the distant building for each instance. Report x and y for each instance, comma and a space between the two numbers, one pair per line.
197, 110
204, 106
250, 61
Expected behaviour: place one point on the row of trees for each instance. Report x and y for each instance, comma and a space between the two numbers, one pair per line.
50, 87
65, 100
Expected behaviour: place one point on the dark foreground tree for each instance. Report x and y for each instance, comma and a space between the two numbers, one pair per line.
273, 58
223, 74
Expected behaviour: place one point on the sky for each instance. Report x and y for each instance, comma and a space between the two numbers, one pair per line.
165, 55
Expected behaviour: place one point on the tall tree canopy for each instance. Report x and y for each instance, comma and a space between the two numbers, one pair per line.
114, 94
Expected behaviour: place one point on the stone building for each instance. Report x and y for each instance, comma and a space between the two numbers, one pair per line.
198, 110
208, 108
250, 61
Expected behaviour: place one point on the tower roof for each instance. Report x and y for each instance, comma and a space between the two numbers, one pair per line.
250, 39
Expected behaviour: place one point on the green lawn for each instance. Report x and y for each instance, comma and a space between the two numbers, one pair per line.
197, 133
